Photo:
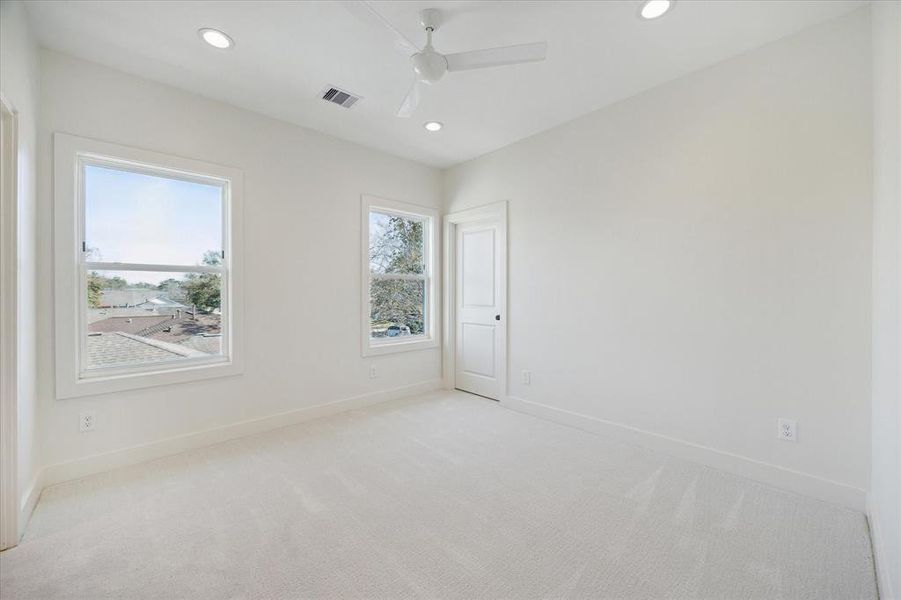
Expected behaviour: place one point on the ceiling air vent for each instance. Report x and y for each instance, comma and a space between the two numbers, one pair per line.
339, 97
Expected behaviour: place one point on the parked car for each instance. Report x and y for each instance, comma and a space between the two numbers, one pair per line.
397, 330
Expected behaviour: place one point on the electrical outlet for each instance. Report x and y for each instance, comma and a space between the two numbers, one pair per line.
87, 421
372, 372
527, 377
787, 430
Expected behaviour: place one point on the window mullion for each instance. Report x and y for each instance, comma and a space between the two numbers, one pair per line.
115, 266
399, 276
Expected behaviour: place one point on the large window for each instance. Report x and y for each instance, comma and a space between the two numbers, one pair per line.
153, 267
398, 282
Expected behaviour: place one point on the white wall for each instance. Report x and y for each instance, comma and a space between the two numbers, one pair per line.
885, 480
19, 79
694, 261
302, 257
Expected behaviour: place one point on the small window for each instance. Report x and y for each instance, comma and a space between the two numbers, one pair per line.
398, 282
154, 268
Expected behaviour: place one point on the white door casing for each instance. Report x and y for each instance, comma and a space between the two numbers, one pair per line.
477, 300
9, 494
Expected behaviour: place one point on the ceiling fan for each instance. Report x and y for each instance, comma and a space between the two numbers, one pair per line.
429, 65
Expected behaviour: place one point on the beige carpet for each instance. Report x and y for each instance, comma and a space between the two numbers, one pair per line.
443, 496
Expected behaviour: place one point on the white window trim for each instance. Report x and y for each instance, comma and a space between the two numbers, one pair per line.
69, 154
430, 256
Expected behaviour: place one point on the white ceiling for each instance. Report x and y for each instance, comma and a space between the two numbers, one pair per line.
287, 52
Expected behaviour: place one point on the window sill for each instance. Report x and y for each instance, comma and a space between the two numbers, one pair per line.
101, 383
399, 346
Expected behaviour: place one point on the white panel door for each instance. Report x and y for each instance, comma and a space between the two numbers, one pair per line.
479, 327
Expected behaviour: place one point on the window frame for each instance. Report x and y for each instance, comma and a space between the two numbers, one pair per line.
429, 218
73, 379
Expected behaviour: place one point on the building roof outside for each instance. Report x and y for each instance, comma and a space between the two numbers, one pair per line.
161, 302
144, 297
127, 324
122, 349
127, 340
179, 330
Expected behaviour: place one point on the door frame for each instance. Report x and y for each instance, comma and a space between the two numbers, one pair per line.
9, 390
497, 212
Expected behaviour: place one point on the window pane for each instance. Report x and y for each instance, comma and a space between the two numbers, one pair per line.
137, 218
395, 244
397, 308
138, 317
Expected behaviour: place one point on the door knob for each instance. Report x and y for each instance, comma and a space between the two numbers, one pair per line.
497, 317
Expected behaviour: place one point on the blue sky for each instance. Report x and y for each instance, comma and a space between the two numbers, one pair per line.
136, 218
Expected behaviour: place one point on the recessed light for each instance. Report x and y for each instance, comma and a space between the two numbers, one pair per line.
433, 125
653, 9
216, 38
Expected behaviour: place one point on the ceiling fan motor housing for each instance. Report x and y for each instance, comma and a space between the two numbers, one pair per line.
429, 66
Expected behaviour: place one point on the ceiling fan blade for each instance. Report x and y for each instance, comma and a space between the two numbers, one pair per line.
494, 57
411, 101
365, 12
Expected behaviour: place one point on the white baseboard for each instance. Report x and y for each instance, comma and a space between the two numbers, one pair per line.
30, 500
98, 463
883, 577
779, 477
